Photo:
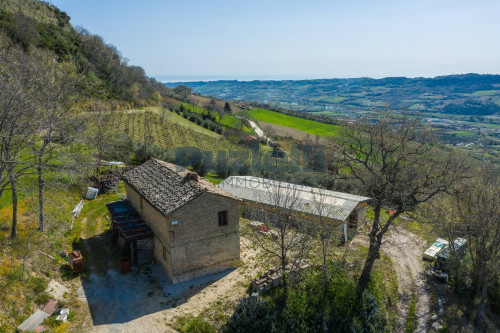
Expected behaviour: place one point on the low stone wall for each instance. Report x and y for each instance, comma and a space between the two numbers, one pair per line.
274, 277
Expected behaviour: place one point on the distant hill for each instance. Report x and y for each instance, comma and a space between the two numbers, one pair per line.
468, 94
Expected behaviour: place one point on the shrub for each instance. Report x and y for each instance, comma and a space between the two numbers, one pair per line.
308, 308
193, 325
43, 298
37, 284
251, 316
373, 320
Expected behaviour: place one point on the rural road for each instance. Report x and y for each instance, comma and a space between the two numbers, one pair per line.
405, 251
256, 128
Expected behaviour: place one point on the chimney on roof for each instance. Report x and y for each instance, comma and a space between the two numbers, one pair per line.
192, 176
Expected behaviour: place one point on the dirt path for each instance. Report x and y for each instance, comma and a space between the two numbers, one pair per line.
405, 251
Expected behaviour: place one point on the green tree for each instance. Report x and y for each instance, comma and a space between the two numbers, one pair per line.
157, 97
227, 108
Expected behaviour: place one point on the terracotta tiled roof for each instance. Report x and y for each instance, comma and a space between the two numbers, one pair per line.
166, 186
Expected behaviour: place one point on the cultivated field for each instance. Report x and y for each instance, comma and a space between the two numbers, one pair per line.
308, 126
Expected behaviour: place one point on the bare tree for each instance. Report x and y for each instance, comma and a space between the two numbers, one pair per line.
213, 106
287, 231
472, 211
53, 119
477, 206
101, 133
268, 131
328, 234
17, 88
396, 165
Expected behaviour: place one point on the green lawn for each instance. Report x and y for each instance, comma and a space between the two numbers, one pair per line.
417, 106
486, 92
309, 126
230, 121
213, 178
463, 133
335, 99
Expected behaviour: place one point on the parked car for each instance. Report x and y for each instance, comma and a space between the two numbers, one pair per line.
459, 248
432, 252
455, 251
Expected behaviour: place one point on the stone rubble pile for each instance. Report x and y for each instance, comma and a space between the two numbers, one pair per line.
274, 277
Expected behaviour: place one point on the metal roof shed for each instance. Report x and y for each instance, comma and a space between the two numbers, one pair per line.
336, 206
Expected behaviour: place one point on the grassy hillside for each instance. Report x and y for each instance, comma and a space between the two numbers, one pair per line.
25, 268
308, 126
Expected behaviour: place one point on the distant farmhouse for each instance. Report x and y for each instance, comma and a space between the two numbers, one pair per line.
342, 209
194, 225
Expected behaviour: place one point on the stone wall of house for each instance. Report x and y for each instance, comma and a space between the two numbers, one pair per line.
158, 224
190, 243
199, 245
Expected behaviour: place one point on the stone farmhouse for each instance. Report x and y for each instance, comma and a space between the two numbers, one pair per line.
194, 224
345, 210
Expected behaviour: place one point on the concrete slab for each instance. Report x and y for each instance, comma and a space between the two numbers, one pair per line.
33, 321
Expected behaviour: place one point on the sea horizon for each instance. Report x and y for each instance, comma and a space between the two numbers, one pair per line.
241, 77
278, 77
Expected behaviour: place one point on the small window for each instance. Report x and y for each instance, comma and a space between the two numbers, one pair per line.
223, 218
141, 202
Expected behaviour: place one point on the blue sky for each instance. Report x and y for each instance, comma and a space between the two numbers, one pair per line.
297, 39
